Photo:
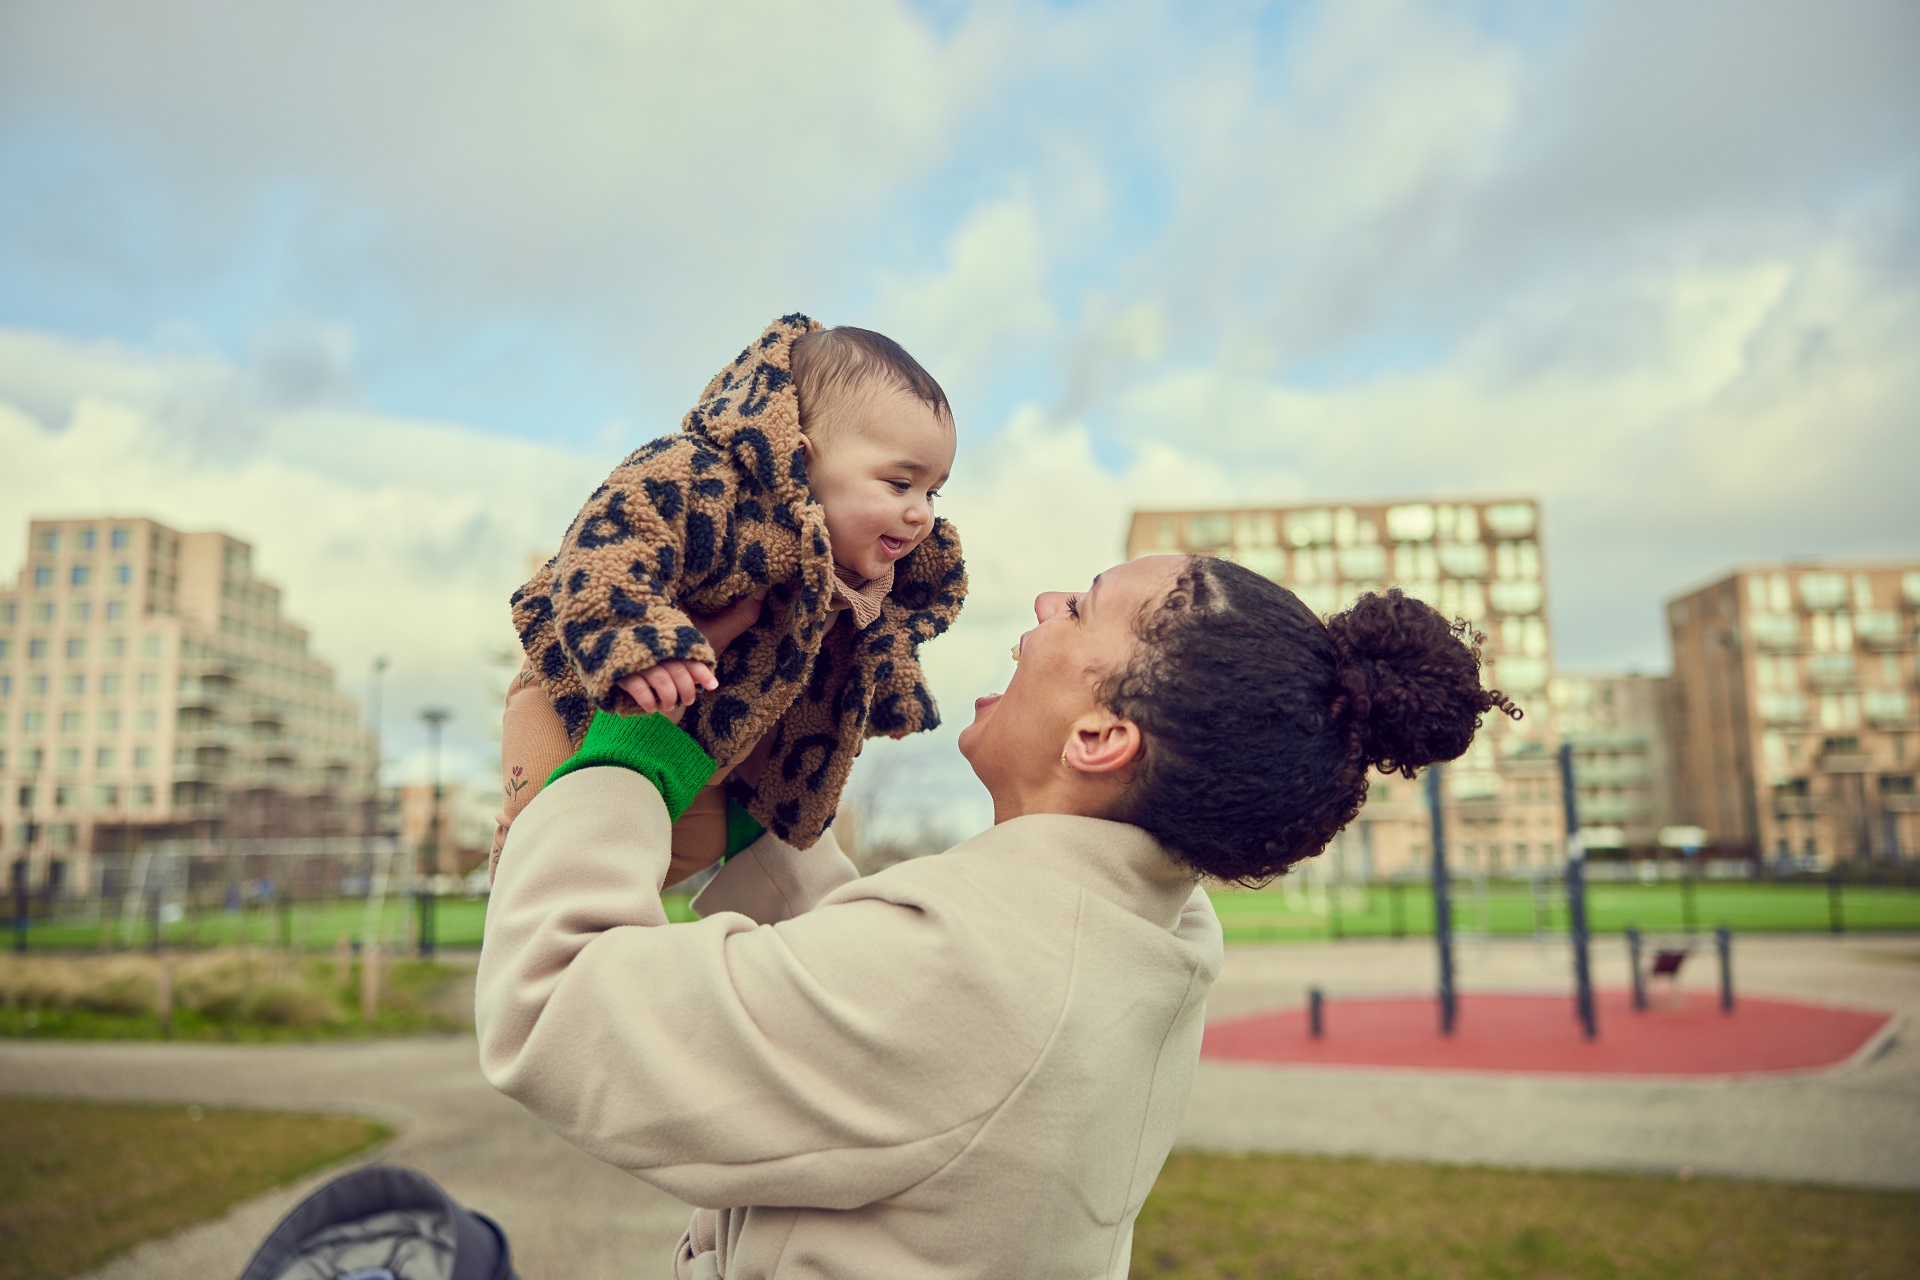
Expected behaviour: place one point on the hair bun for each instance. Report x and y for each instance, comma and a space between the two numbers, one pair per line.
1407, 683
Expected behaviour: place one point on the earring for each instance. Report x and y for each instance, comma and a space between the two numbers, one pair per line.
1063, 759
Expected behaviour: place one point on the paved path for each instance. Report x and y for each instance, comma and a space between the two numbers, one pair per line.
570, 1216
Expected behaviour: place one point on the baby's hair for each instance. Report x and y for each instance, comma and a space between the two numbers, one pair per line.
828, 363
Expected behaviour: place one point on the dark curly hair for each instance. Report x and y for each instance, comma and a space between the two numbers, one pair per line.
1261, 721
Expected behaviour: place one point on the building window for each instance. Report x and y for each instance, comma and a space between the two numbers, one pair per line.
105, 796
26, 797
110, 721
80, 611
110, 683
49, 539
43, 612
76, 647
149, 682
143, 797
69, 759
33, 722
6, 686
9, 613
32, 758
103, 758
79, 575
69, 722
142, 757
36, 649
150, 647
37, 686
123, 575
145, 720
116, 610
43, 576
88, 538
6, 648
119, 539
116, 646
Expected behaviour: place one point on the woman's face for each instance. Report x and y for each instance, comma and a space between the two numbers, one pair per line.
1079, 639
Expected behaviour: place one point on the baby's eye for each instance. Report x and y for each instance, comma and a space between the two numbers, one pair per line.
900, 486
932, 494
1073, 606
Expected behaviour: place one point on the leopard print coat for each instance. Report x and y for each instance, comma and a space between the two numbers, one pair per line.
691, 523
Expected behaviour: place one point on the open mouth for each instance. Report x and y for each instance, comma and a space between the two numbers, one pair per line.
892, 547
981, 704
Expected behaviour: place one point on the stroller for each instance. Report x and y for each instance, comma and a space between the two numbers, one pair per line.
383, 1222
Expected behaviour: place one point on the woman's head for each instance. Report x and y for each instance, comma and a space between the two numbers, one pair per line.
1247, 725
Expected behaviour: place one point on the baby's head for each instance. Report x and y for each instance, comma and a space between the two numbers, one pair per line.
879, 439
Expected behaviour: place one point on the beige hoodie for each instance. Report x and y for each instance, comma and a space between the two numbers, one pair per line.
966, 1065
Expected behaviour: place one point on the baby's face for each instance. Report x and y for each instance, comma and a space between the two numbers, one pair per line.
877, 462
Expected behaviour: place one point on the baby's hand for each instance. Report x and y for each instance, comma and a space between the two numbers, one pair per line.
668, 684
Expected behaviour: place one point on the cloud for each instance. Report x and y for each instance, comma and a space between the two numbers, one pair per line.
388, 536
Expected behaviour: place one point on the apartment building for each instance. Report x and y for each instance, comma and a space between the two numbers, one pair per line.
1796, 717
1478, 559
1620, 728
150, 687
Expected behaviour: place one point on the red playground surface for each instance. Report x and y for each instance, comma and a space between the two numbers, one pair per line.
1541, 1034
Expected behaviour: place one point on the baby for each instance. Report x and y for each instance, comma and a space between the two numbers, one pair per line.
805, 476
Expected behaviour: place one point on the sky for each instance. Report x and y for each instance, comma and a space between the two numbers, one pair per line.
387, 289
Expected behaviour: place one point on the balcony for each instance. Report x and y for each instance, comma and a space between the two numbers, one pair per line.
1788, 804
1882, 631
1832, 671
1779, 632
1783, 708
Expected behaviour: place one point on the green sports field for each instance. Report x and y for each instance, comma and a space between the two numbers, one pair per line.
1271, 914
457, 923
1515, 910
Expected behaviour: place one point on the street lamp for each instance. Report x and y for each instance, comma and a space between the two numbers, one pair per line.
435, 718
373, 782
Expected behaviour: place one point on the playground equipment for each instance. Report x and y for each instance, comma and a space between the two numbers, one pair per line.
1577, 898
1442, 908
1668, 961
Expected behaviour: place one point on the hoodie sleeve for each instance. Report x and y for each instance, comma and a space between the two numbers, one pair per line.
830, 1060
613, 588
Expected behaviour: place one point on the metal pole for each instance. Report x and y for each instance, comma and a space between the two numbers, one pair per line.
1639, 978
1723, 943
1689, 868
1315, 1023
1577, 898
21, 903
1442, 909
435, 718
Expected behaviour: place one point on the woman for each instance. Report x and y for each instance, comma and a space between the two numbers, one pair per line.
973, 1064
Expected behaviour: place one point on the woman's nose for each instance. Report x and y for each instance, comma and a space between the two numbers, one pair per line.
1048, 603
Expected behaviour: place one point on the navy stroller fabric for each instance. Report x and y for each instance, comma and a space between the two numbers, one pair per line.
383, 1222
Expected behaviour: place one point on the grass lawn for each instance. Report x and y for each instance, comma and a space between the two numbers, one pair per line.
84, 1181
1214, 1217
1512, 909
222, 995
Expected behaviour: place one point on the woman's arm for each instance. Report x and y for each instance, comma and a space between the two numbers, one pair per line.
831, 1060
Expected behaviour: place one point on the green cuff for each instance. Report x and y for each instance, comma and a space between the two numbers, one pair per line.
742, 828
652, 746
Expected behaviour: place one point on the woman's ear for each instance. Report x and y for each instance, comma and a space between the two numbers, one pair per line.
1104, 744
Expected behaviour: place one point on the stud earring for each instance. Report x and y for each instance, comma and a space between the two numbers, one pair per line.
1063, 759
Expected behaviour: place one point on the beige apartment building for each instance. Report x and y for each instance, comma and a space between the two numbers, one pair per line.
151, 688
1621, 730
1796, 719
1478, 559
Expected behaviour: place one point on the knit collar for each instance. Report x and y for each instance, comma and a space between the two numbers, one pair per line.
862, 595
